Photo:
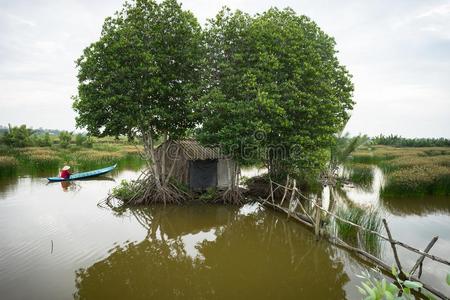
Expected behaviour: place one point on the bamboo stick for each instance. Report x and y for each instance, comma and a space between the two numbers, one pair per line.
285, 190
317, 220
397, 260
383, 265
420, 260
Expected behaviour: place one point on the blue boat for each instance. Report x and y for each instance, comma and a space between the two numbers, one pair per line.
83, 175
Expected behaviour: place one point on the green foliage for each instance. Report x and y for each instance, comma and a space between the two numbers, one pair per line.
42, 140
80, 139
209, 195
276, 91
343, 148
125, 191
142, 76
398, 141
18, 136
65, 138
84, 140
379, 289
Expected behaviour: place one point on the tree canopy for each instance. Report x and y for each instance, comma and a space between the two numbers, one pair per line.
277, 92
143, 74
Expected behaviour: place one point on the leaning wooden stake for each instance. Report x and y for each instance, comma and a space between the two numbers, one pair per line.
397, 260
285, 190
317, 221
271, 191
421, 258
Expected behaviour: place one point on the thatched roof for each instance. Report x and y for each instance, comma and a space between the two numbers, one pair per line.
193, 150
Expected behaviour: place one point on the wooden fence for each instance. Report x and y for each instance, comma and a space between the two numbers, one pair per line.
295, 209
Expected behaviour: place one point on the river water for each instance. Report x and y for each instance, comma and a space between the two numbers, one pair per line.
56, 242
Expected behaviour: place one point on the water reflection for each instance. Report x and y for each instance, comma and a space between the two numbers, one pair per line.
8, 184
417, 206
239, 255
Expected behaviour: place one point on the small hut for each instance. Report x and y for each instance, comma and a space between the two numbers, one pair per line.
197, 166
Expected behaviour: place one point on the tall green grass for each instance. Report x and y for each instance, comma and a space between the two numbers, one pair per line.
80, 158
369, 219
410, 171
418, 180
8, 165
39, 157
360, 174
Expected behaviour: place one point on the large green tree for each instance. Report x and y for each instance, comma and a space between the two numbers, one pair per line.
277, 92
142, 76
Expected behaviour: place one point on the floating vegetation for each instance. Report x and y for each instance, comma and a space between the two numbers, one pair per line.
369, 219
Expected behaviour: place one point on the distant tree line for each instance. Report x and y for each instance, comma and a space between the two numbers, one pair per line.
23, 136
399, 141
4, 129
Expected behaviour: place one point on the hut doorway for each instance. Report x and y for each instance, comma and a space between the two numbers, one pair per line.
202, 174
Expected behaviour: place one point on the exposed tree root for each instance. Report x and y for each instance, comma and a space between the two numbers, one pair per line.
233, 196
149, 190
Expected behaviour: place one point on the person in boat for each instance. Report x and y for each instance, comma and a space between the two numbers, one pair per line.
65, 173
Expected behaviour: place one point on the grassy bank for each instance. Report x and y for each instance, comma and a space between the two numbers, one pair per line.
102, 152
410, 171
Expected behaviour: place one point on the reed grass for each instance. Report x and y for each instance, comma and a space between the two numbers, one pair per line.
39, 157
360, 174
131, 150
94, 158
410, 171
428, 179
8, 165
30, 158
368, 219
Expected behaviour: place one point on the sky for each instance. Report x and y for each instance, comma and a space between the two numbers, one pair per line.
397, 51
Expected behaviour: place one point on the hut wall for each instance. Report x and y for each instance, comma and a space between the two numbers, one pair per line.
225, 169
181, 168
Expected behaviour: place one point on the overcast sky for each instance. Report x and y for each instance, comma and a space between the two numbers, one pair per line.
397, 51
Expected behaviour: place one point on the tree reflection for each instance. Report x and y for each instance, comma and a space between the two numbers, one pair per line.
257, 255
416, 206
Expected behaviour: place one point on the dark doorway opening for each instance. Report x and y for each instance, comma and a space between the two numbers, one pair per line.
202, 174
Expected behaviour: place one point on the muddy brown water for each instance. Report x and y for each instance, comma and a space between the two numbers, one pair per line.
57, 243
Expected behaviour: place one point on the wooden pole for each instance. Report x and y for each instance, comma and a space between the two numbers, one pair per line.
271, 191
374, 260
421, 258
397, 260
285, 190
317, 221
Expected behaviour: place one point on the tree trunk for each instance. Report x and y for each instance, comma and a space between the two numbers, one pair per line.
150, 153
163, 159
